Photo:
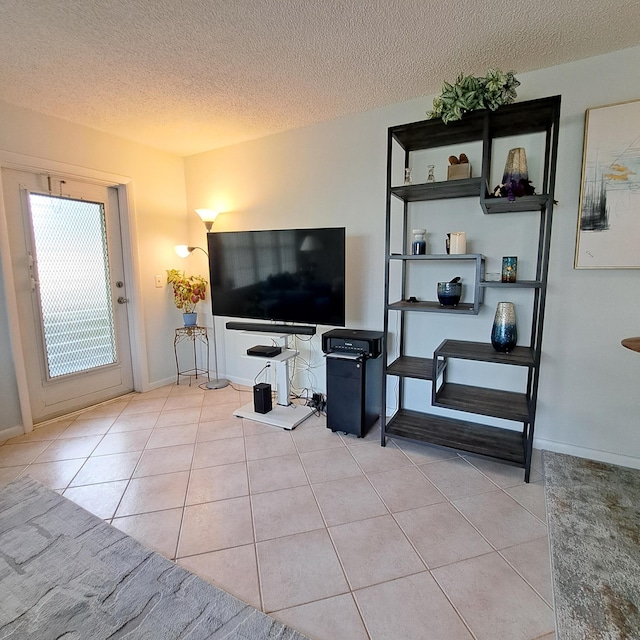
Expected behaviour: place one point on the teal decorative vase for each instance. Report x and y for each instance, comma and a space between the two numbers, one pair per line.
504, 334
190, 319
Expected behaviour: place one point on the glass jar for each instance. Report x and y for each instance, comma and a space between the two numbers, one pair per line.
419, 245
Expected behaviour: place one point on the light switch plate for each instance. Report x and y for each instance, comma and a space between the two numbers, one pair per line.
159, 282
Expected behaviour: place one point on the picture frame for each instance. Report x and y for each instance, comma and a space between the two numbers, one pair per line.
608, 234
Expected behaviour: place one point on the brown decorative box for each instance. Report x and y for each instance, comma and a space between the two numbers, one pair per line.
458, 171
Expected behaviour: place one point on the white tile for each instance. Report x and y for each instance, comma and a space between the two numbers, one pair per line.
531, 497
373, 458
235, 570
269, 445
410, 608
215, 525
441, 535
500, 519
154, 493
359, 544
299, 569
531, 560
271, 474
218, 483
172, 436
154, 462
100, 499
98, 469
330, 464
327, 619
494, 600
285, 512
55, 475
70, 448
14, 455
347, 500
405, 488
212, 453
456, 478
135, 422
157, 530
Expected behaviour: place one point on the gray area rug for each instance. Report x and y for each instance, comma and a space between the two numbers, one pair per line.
593, 513
64, 573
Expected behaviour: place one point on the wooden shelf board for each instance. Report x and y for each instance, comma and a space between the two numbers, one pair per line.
437, 256
503, 205
507, 405
442, 190
493, 442
522, 118
521, 284
432, 306
412, 367
509, 120
484, 352
412, 136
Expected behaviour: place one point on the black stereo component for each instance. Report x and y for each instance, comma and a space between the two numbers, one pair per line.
263, 327
262, 398
367, 343
264, 351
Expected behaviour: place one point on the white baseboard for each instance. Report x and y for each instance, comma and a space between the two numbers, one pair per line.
584, 452
159, 383
11, 432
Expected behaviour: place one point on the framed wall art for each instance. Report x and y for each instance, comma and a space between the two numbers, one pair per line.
609, 215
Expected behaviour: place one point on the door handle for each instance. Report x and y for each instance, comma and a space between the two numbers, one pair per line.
122, 300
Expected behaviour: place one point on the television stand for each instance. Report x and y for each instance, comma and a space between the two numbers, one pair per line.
284, 415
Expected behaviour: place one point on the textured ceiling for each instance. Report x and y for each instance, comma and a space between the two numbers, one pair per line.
194, 75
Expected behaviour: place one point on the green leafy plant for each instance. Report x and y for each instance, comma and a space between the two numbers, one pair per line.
469, 93
187, 290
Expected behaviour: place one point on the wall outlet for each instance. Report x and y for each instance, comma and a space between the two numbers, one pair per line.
159, 282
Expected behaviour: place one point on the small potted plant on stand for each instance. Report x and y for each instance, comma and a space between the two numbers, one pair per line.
187, 292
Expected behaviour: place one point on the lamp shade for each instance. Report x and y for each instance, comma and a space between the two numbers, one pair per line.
208, 217
183, 250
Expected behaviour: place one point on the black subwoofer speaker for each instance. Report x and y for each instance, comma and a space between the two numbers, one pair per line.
354, 393
262, 398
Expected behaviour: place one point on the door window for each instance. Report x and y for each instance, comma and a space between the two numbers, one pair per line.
71, 275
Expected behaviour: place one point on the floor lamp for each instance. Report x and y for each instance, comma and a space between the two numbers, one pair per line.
208, 217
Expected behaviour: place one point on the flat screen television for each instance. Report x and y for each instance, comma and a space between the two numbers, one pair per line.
288, 275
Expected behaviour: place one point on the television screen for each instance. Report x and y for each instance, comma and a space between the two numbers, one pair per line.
290, 275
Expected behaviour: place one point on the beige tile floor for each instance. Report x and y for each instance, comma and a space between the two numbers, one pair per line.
334, 535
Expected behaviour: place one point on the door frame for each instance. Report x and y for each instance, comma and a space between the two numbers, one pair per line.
128, 230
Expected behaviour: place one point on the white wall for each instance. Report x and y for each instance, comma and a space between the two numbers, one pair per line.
333, 174
157, 193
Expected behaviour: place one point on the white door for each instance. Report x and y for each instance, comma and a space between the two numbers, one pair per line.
66, 252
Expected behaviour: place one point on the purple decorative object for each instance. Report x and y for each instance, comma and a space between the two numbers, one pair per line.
515, 179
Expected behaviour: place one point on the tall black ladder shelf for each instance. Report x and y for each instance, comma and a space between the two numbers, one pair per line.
510, 445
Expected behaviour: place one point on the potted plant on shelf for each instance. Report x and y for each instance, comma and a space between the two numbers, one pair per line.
469, 93
187, 292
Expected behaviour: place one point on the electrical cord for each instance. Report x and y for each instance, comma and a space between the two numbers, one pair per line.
266, 366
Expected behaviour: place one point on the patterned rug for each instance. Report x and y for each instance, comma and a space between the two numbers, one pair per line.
593, 512
64, 573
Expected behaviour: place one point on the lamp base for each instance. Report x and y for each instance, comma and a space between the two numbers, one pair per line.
218, 383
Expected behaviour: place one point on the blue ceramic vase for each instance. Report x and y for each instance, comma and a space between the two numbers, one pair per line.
190, 319
504, 334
